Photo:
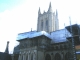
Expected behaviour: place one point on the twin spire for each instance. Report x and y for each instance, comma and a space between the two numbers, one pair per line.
49, 9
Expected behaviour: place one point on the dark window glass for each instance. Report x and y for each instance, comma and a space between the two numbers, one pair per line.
41, 25
47, 25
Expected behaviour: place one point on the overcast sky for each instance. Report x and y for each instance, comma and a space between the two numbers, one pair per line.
17, 16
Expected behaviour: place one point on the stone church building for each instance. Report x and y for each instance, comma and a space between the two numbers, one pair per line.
47, 43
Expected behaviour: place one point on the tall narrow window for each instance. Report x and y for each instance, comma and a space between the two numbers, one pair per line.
27, 57
47, 25
22, 57
32, 57
41, 25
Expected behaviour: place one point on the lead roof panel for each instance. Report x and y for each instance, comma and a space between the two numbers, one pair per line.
60, 35
56, 36
32, 34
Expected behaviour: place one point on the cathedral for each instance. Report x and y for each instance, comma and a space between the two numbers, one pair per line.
48, 42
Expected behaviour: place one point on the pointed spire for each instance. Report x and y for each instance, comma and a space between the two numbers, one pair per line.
50, 8
56, 13
7, 50
39, 12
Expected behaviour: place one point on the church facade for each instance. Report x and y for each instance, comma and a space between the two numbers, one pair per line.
48, 42
41, 46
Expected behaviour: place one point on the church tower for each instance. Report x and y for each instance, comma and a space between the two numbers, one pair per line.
48, 21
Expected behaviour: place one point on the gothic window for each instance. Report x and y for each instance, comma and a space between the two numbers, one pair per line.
46, 22
47, 25
57, 56
48, 57
22, 57
68, 56
27, 57
42, 25
32, 57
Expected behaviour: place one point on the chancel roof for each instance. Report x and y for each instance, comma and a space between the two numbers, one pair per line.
60, 35
32, 34
56, 36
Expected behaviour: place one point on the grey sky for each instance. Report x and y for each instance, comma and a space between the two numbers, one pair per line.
21, 15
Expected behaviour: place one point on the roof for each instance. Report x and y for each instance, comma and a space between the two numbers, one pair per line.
56, 36
74, 29
32, 34
60, 36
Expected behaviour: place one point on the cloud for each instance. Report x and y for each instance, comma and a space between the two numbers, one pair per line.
12, 22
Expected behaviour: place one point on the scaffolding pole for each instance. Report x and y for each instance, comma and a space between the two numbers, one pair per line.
73, 45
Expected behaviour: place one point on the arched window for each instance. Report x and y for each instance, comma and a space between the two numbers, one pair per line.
32, 57
27, 57
22, 57
48, 57
68, 56
57, 56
